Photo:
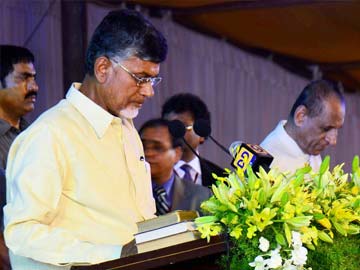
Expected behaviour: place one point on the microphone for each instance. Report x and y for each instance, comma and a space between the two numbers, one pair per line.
177, 130
203, 129
246, 154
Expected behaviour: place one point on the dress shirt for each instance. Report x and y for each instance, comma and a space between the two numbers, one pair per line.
77, 185
195, 171
287, 154
8, 134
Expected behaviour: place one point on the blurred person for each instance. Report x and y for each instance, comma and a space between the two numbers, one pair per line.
76, 182
18, 91
188, 108
312, 125
162, 151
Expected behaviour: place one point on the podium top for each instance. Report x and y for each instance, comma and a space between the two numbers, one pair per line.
162, 257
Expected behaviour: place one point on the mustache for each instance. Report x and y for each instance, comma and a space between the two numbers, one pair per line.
31, 93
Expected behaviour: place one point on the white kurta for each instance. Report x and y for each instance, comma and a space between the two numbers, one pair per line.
287, 154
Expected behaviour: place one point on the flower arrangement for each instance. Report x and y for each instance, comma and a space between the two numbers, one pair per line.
278, 220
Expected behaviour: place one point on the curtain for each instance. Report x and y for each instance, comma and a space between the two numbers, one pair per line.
21, 25
247, 95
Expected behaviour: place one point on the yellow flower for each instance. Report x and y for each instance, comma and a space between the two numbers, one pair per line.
262, 219
236, 232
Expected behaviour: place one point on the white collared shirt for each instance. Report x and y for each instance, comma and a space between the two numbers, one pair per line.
77, 185
195, 171
287, 154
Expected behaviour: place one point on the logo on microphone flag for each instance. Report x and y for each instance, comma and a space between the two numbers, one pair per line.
243, 158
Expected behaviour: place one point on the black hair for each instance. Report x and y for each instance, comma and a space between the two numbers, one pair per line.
11, 55
125, 33
313, 95
159, 122
186, 102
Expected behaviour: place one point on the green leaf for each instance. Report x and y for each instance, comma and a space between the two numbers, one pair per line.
205, 220
325, 237
287, 233
299, 221
318, 216
280, 239
324, 165
284, 199
339, 228
355, 164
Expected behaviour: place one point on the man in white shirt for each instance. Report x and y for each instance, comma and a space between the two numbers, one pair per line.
313, 123
77, 182
188, 108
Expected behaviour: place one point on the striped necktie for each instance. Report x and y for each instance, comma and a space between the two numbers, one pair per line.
162, 206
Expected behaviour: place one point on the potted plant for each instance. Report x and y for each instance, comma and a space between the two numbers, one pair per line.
277, 220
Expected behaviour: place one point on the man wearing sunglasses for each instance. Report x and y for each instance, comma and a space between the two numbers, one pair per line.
188, 108
77, 180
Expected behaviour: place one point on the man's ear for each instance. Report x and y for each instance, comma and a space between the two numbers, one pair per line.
201, 140
178, 153
101, 68
300, 115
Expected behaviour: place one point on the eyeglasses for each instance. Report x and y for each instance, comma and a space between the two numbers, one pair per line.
188, 128
139, 81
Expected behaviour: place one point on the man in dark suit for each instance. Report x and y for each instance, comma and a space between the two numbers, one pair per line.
162, 151
188, 108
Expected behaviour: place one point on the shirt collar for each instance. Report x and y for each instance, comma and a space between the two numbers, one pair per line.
167, 185
5, 126
288, 142
98, 118
194, 164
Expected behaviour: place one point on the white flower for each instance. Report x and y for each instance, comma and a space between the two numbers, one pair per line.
288, 266
275, 260
296, 239
264, 244
258, 263
299, 255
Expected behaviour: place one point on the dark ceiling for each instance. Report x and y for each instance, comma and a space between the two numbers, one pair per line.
299, 35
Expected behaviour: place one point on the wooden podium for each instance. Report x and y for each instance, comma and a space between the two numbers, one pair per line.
197, 254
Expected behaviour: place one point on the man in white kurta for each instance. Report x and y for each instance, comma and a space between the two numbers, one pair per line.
287, 154
77, 182
312, 125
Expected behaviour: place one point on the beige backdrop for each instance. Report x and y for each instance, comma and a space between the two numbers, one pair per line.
247, 95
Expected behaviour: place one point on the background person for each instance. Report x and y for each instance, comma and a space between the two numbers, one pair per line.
188, 108
18, 91
313, 123
162, 151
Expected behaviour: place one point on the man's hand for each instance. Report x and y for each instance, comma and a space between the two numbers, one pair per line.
129, 249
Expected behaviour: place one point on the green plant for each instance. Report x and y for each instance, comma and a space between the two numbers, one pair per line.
276, 206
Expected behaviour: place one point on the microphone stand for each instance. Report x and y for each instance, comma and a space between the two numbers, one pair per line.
220, 145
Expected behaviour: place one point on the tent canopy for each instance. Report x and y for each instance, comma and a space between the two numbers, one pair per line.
306, 37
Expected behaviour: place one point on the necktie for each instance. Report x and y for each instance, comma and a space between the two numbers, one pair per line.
162, 206
187, 176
